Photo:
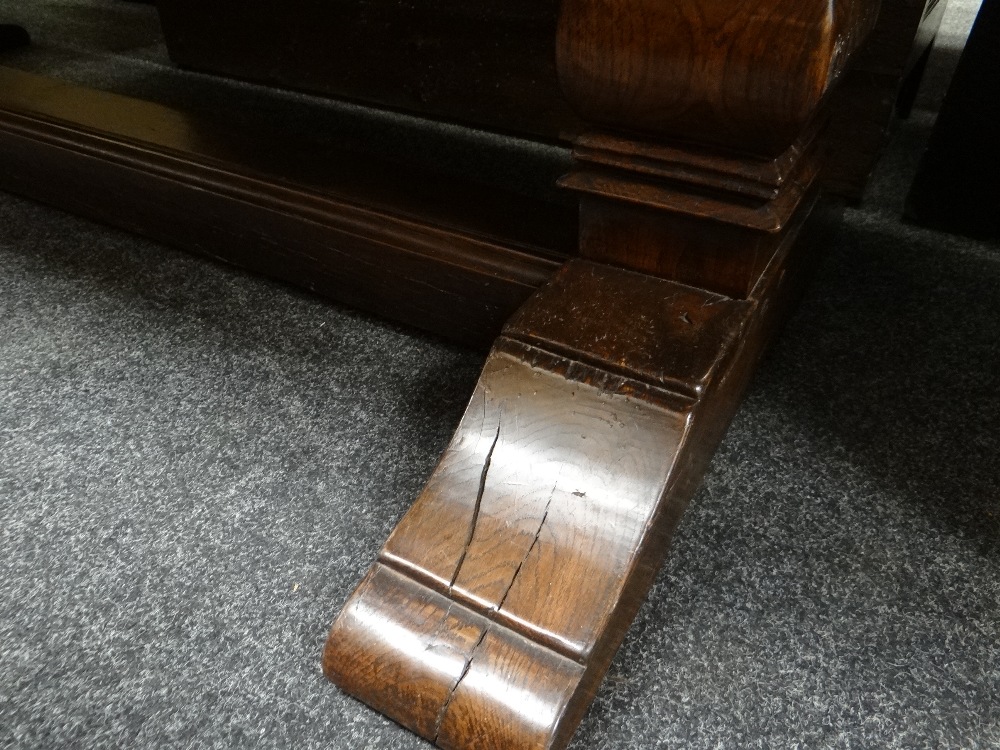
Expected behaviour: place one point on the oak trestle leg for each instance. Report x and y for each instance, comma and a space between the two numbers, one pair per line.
495, 607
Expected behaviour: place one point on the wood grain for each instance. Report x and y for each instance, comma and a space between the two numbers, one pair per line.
743, 76
568, 475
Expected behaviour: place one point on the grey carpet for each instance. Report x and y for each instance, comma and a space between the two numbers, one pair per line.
197, 465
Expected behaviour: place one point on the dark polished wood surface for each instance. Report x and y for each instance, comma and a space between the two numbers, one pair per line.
692, 215
489, 64
743, 76
442, 251
709, 70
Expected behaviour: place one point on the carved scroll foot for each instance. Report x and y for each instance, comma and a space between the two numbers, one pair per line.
497, 604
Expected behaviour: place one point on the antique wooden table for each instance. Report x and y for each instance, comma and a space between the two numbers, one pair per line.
627, 306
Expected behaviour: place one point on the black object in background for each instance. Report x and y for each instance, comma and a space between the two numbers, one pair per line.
957, 187
12, 36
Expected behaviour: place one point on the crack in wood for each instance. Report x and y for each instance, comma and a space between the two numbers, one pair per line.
434, 640
476, 508
472, 652
454, 688
538, 534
